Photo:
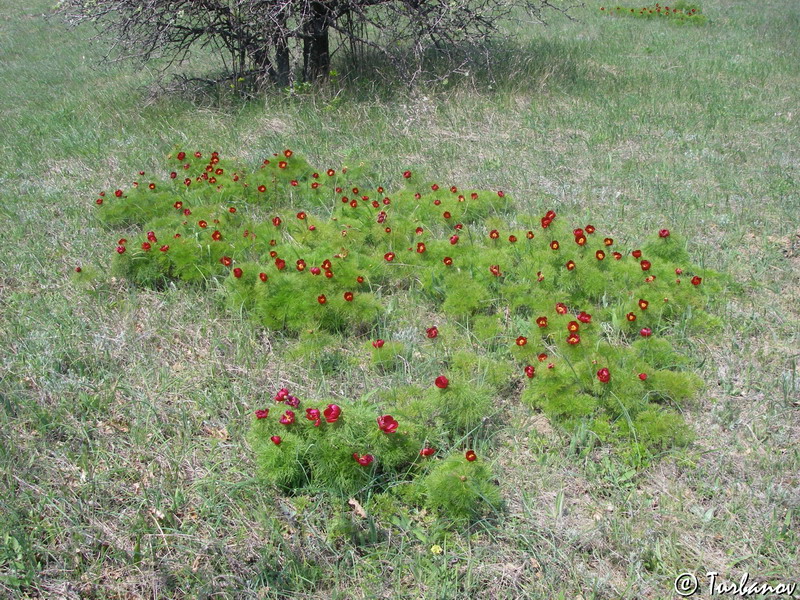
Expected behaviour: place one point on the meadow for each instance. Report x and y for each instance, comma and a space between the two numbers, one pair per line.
125, 465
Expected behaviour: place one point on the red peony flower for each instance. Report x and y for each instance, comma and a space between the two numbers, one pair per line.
470, 455
530, 372
530, 235
599, 255
637, 253
453, 240
164, 248
262, 277
561, 308
237, 272
584, 317
216, 236
389, 256
431, 332
300, 264
447, 261
608, 241
348, 296
359, 279
276, 221
678, 271
442, 382
387, 424
378, 344
643, 304
283, 164
427, 451
554, 245
604, 375
363, 460
631, 317
501, 194
280, 264
645, 332
590, 229
643, 376
663, 233
573, 326
541, 321
494, 234
146, 246
262, 414
322, 299
570, 265
202, 224
332, 413
313, 414
495, 270
521, 341
181, 155
542, 357
226, 260
573, 339
287, 418
697, 280
262, 188
420, 247
645, 265
407, 174
435, 187
276, 439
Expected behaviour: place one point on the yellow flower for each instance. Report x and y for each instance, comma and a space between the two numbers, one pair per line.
436, 549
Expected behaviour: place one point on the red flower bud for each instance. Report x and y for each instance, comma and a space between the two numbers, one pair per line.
470, 455
663, 233
378, 344
530, 371
604, 375
431, 332
442, 382
276, 439
427, 452
696, 280
645, 332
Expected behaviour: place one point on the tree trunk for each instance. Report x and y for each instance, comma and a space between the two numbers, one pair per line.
316, 52
282, 61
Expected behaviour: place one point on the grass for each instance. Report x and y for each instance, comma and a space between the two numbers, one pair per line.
124, 472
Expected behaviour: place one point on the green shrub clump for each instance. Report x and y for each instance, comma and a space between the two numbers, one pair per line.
525, 302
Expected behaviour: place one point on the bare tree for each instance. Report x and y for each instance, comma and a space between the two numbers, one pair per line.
278, 41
